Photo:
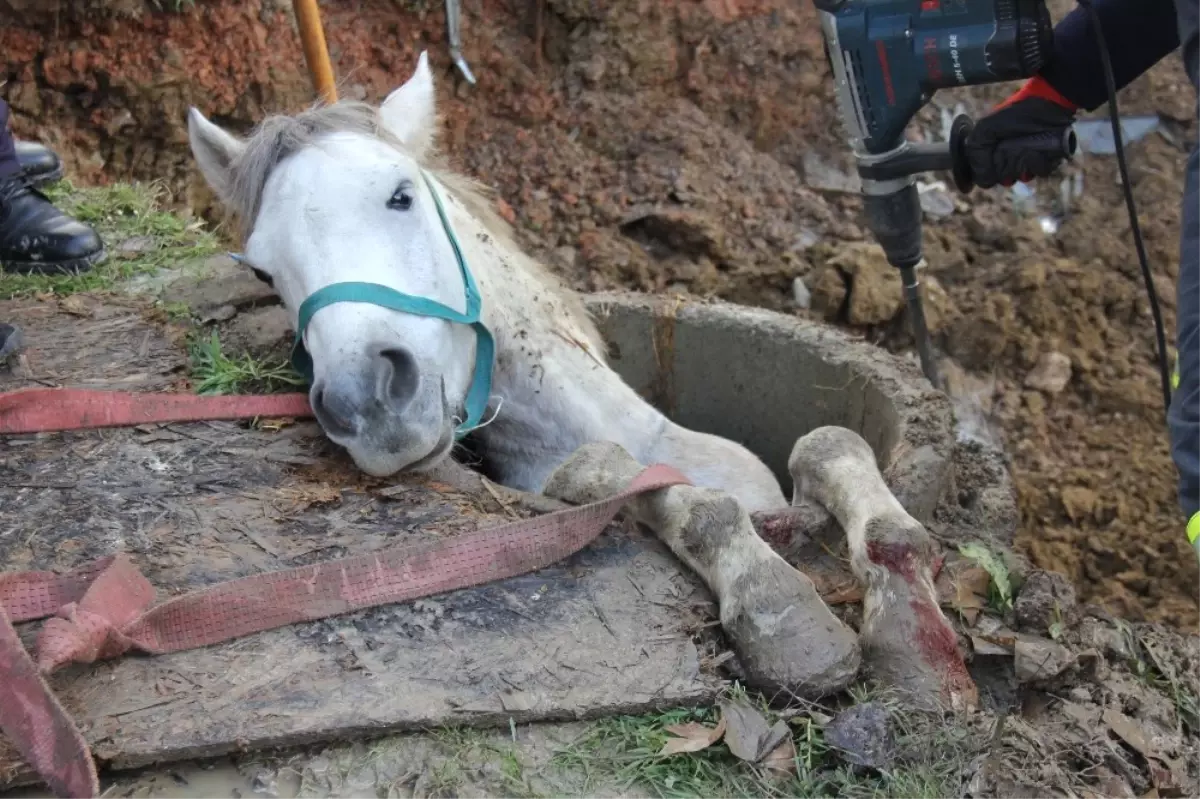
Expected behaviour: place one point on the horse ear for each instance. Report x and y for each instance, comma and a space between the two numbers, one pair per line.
215, 150
410, 111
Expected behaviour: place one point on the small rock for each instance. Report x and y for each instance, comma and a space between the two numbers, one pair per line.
862, 735
135, 246
1079, 502
828, 293
1107, 639
221, 313
1036, 659
262, 329
800, 294
935, 200
11, 341
1045, 598
1080, 694
804, 240
875, 292
219, 281
1051, 374
822, 175
566, 256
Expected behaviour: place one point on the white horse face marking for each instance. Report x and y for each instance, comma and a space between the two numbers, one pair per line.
387, 385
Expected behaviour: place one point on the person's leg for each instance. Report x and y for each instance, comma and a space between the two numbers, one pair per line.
34, 235
40, 164
9, 163
1184, 416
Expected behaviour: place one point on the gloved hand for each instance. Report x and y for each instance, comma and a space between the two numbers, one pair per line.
991, 150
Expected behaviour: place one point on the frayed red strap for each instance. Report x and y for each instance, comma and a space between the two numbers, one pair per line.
103, 610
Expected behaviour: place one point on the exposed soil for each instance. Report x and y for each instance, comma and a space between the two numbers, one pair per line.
692, 146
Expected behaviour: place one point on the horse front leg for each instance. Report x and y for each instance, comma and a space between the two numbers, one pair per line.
785, 636
907, 640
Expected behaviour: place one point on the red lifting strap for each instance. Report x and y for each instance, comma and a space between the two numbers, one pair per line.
39, 410
103, 609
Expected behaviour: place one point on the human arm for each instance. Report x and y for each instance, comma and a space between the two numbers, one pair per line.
1138, 34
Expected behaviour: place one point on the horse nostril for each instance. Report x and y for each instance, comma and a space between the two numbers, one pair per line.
400, 386
335, 410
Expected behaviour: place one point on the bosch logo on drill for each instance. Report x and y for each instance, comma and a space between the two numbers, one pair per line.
956, 59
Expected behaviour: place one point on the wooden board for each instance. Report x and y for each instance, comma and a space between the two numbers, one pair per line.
610, 630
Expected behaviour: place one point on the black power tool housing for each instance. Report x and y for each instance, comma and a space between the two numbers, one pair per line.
888, 58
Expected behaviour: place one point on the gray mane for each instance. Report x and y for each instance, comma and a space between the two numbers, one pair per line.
279, 136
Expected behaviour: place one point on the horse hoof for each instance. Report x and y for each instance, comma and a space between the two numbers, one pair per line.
907, 640
593, 472
786, 637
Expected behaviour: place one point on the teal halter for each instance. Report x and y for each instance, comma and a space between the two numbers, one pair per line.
375, 294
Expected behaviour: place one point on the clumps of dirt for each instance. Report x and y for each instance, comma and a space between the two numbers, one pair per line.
694, 147
1079, 703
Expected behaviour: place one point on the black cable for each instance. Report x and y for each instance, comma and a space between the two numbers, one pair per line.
1159, 331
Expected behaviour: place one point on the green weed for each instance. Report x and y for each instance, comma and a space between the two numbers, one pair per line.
139, 235
622, 754
215, 372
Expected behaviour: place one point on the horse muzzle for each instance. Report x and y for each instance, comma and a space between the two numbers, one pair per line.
385, 412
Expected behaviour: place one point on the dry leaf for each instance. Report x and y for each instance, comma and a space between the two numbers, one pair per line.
782, 759
748, 736
75, 306
693, 737
970, 592
1167, 781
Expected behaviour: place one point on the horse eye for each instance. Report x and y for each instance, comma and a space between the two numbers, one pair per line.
263, 276
402, 200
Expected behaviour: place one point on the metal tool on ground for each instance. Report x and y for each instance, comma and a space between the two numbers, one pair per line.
888, 58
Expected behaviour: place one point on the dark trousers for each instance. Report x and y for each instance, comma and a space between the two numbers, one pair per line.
1184, 416
8, 154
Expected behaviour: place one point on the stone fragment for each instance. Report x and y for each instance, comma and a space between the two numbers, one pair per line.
1045, 598
863, 735
1051, 373
1038, 659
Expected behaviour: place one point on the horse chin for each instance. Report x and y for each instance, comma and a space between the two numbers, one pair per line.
382, 461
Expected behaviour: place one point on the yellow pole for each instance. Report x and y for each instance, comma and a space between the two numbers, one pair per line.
312, 37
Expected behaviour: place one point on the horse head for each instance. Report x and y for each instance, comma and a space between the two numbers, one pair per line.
345, 221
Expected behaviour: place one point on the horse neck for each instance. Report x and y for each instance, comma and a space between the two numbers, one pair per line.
551, 384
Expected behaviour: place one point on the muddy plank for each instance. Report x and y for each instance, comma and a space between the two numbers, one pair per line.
607, 631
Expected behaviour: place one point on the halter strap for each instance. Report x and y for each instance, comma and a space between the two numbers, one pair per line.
375, 294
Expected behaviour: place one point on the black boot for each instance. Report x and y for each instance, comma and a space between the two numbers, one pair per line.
40, 164
37, 237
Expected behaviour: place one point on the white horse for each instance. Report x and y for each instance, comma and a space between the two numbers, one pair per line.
352, 193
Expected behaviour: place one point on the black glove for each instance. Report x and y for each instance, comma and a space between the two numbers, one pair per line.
1000, 149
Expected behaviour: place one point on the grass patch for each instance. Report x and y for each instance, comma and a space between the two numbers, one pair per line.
622, 754
215, 372
129, 214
